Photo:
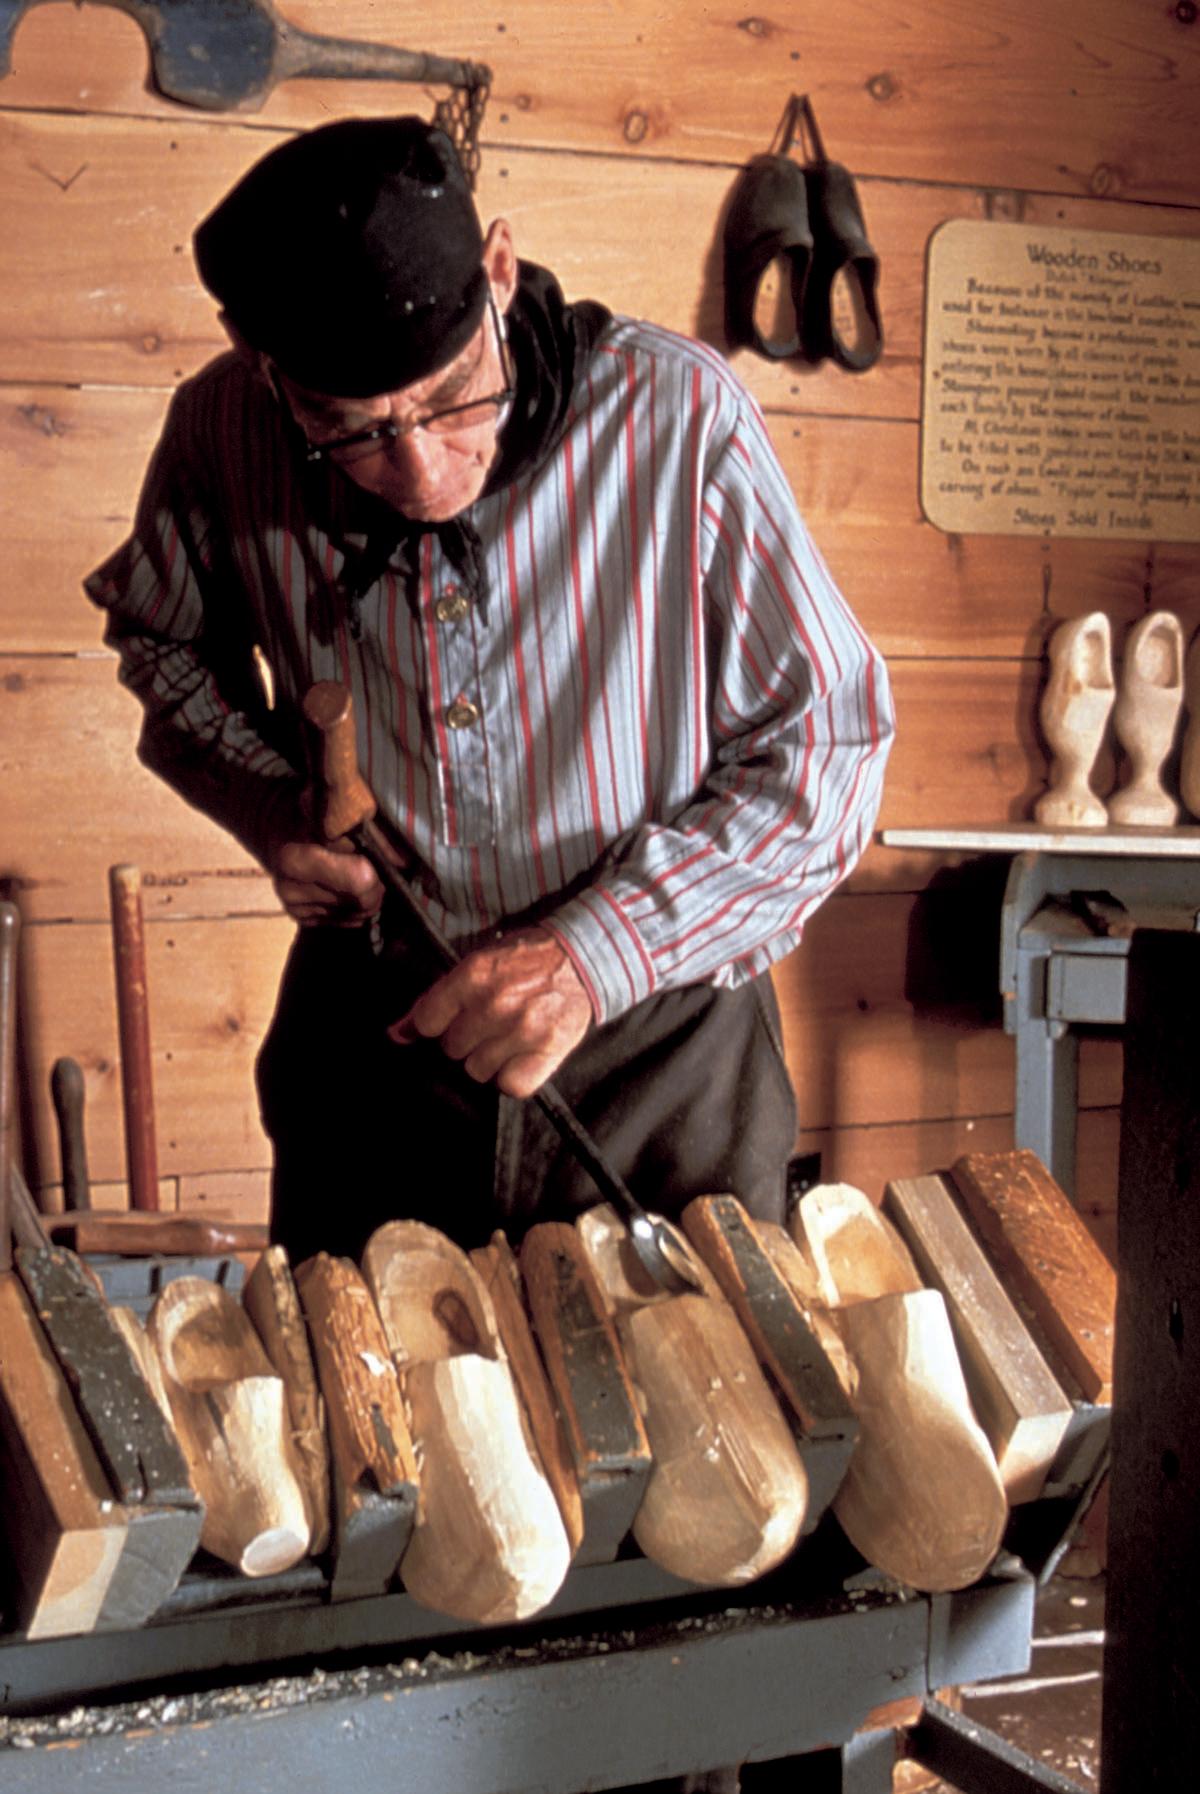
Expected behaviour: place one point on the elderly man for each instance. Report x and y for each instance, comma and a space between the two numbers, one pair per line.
623, 732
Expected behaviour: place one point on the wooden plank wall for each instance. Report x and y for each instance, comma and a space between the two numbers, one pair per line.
612, 140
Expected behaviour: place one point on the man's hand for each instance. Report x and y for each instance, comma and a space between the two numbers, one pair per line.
511, 1011
331, 885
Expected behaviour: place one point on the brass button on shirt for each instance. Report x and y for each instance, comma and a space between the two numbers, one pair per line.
677, 729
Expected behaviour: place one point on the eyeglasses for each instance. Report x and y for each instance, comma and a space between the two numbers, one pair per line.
467, 416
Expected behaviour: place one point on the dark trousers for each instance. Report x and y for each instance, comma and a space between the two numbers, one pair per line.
687, 1095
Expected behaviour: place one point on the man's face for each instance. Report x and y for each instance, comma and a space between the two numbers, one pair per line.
433, 466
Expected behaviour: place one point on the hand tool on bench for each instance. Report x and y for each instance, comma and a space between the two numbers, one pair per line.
347, 809
133, 1021
67, 1095
145, 1229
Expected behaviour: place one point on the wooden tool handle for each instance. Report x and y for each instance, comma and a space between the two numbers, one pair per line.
165, 1235
10, 930
133, 1021
345, 798
67, 1090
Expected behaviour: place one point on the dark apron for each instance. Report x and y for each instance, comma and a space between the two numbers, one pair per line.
687, 1094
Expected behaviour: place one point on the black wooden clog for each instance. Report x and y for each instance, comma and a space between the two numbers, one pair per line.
840, 249
768, 218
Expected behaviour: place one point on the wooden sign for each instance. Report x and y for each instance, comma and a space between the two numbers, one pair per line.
1062, 383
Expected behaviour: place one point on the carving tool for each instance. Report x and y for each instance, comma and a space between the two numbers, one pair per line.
348, 809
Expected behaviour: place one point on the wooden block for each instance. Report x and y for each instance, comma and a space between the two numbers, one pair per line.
1022, 1409
501, 1276
230, 1415
66, 1532
1042, 1246
270, 1299
591, 1382
778, 1325
489, 1544
371, 1450
136, 1447
727, 1494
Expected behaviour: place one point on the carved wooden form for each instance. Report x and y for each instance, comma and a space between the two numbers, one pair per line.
270, 1299
1021, 1407
489, 1544
501, 1277
763, 1275
231, 1416
137, 1447
374, 1465
1189, 768
1052, 1263
1146, 718
590, 1379
1074, 713
727, 1495
922, 1499
66, 1533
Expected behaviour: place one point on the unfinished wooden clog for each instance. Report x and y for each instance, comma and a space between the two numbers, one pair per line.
501, 1277
727, 1494
373, 1464
922, 1499
1189, 759
1074, 712
489, 1544
271, 1301
1146, 718
230, 1413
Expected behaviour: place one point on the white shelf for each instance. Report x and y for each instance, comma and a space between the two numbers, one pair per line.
1180, 843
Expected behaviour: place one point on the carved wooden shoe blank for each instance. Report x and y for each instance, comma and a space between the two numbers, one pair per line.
374, 1472
1074, 714
922, 1499
727, 1494
489, 1544
501, 1276
230, 1412
1189, 770
1146, 718
273, 1305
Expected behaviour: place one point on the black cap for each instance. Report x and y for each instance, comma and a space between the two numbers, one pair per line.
351, 255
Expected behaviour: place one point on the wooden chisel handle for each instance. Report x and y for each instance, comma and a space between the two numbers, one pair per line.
67, 1091
345, 799
133, 1021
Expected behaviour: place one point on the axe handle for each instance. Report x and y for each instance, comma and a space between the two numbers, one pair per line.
165, 1235
10, 930
133, 1022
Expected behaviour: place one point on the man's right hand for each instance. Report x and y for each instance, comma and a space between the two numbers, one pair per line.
333, 886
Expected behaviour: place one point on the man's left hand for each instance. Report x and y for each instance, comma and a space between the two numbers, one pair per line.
511, 1011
